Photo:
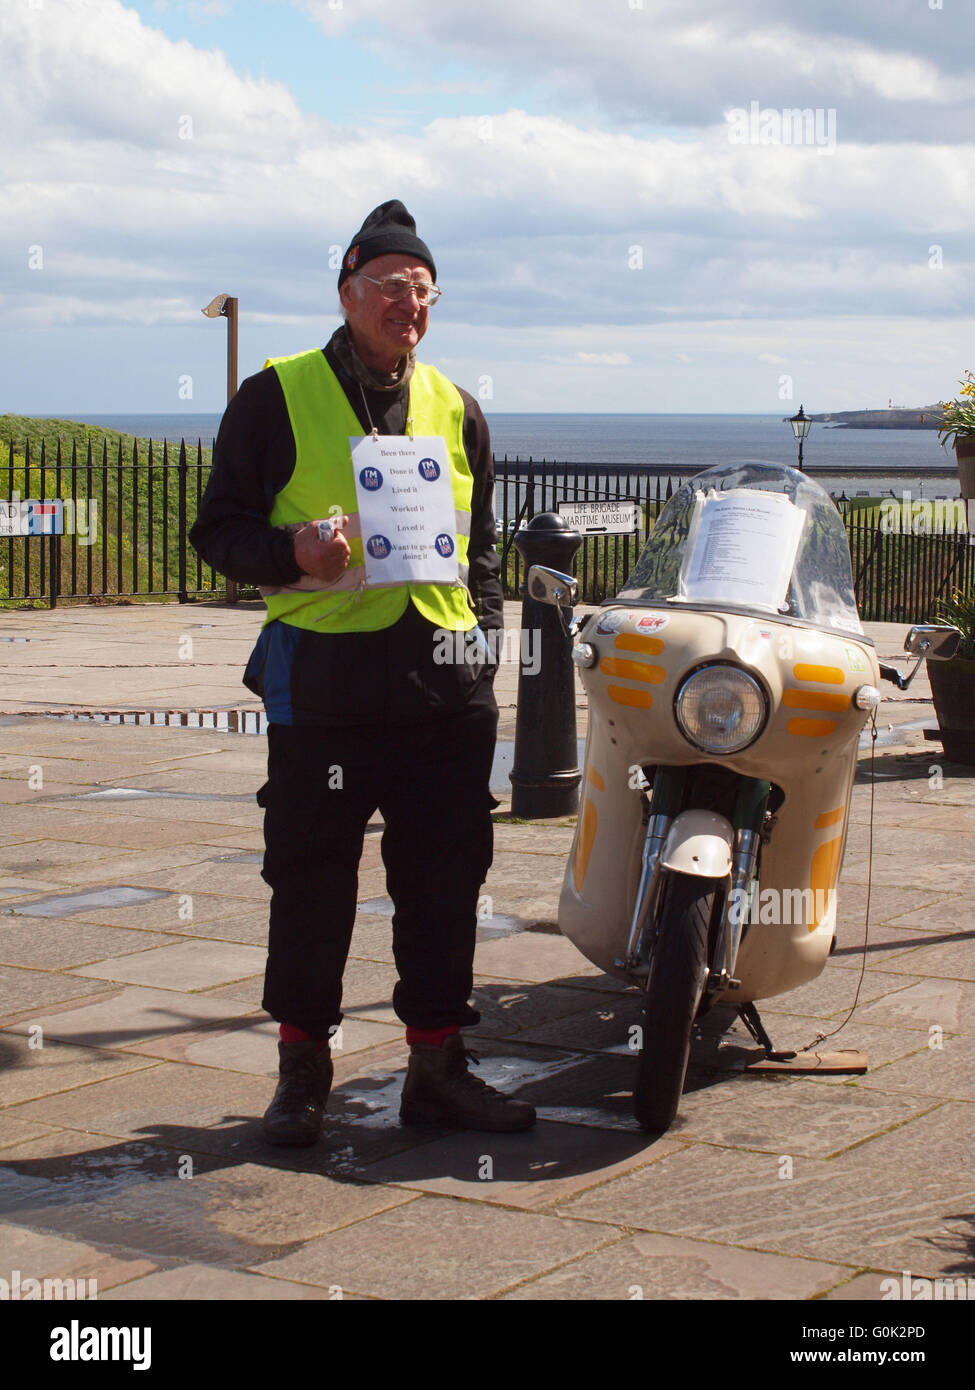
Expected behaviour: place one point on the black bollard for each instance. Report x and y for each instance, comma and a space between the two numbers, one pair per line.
545, 776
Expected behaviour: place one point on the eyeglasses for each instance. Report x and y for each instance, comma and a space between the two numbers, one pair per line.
399, 286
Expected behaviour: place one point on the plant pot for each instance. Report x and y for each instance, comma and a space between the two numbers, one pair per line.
953, 693
965, 459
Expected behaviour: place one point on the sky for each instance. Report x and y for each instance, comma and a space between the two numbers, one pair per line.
634, 205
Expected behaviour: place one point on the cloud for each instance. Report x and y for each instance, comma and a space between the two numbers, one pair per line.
891, 68
167, 176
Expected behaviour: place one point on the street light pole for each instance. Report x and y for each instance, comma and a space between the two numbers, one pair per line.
225, 306
800, 428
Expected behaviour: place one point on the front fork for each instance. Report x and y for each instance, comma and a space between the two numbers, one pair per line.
749, 815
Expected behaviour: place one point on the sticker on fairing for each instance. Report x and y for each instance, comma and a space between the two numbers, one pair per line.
610, 622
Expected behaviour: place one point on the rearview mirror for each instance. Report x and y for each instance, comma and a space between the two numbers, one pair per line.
934, 642
552, 587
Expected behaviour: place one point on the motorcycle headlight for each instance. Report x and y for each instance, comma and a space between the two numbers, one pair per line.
721, 709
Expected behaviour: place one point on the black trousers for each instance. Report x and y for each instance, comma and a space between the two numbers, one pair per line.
430, 782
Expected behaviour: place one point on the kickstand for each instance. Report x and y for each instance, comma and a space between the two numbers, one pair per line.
751, 1018
849, 1062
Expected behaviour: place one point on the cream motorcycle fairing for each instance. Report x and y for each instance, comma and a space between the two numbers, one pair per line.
807, 748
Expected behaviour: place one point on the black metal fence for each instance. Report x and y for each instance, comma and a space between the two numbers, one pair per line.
126, 524
898, 577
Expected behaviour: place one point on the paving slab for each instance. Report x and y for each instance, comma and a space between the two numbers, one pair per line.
97, 827
33, 1066
166, 1204
21, 990
946, 1004
118, 1015
200, 1283
507, 1009
177, 912
527, 1171
252, 1045
664, 1267
947, 914
231, 880
188, 965
785, 1114
951, 958
38, 1255
447, 1250
35, 857
885, 945
245, 928
942, 1070
534, 957
247, 992
833, 992
889, 903
858, 1210
50, 944
14, 1131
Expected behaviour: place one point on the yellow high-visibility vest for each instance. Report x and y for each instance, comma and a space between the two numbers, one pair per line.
323, 422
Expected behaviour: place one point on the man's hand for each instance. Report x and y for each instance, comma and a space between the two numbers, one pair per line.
322, 559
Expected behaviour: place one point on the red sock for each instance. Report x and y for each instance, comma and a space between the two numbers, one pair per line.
290, 1034
433, 1037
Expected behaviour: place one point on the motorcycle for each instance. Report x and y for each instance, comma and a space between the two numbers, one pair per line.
728, 683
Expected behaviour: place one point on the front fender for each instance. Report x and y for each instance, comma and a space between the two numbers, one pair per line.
699, 842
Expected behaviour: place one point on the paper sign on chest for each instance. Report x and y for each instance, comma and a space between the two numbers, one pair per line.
406, 509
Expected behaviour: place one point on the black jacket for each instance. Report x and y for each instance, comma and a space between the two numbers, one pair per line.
389, 676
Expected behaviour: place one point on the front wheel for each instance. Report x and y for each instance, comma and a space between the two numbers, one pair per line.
678, 974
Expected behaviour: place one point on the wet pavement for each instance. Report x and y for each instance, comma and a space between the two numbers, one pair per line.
135, 1060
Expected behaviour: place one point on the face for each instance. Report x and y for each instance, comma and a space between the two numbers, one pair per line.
384, 330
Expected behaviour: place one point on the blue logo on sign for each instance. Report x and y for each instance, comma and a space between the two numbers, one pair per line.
429, 469
378, 547
444, 544
371, 478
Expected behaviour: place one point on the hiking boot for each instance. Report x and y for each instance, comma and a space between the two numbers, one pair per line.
439, 1089
295, 1114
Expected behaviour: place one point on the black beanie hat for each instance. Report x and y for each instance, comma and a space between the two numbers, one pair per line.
388, 228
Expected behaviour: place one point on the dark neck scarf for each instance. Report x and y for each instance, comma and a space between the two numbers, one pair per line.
350, 361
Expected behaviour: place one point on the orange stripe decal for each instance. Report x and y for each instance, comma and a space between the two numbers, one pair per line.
596, 780
811, 728
633, 670
815, 699
638, 642
639, 699
830, 818
825, 675
584, 844
822, 877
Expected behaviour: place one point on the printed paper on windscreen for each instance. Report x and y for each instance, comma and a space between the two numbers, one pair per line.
741, 548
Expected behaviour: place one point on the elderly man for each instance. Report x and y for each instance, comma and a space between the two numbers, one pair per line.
373, 700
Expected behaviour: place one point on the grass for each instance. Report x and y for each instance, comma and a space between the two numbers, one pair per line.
123, 496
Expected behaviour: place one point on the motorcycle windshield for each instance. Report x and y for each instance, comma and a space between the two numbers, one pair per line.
756, 537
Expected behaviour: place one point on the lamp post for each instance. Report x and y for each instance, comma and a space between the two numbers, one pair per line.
225, 306
800, 428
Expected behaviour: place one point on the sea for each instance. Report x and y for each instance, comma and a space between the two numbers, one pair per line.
872, 462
